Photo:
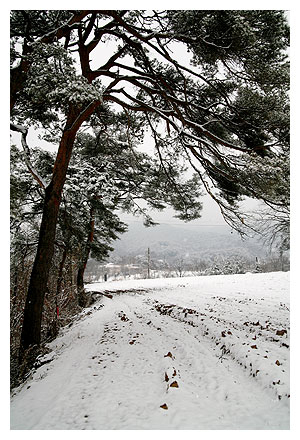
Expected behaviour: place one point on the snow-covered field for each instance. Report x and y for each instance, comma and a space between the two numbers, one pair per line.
185, 353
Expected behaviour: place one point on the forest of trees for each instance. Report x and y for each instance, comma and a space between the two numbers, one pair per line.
92, 83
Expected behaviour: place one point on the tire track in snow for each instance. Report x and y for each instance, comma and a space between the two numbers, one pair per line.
116, 366
204, 380
250, 344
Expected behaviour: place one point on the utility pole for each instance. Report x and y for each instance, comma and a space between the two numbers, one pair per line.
148, 262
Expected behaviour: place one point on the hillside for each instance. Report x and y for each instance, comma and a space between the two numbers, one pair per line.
170, 242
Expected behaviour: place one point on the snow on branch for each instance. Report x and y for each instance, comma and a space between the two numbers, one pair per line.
20, 129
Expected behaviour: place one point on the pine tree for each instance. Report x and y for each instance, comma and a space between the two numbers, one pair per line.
226, 108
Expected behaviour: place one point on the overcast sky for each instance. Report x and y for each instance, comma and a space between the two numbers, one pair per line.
210, 214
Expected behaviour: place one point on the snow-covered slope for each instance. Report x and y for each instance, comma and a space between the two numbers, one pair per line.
185, 353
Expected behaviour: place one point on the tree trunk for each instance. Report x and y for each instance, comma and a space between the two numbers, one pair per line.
83, 263
31, 330
80, 275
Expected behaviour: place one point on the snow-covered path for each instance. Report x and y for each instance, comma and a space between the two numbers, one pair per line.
138, 361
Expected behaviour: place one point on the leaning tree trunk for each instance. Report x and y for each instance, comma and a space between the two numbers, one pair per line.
80, 274
31, 330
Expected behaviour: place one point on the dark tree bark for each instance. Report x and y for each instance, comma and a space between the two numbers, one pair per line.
31, 330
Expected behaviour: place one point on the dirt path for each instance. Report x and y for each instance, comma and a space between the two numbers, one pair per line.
127, 366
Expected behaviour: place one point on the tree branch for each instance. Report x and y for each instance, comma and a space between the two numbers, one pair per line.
35, 174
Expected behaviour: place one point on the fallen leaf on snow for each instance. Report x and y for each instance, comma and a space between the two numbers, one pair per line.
169, 354
281, 332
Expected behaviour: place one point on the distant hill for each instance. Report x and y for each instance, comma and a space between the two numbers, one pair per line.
169, 243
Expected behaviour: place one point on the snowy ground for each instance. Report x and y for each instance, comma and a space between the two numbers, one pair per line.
187, 353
